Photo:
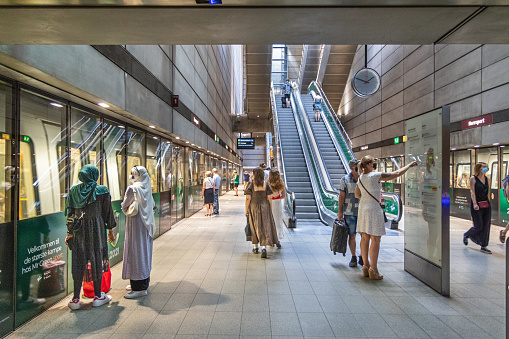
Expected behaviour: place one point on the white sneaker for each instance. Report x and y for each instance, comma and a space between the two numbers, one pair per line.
104, 299
135, 294
74, 304
128, 288
37, 301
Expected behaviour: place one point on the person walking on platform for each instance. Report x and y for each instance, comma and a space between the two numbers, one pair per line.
89, 212
278, 192
217, 185
370, 222
259, 214
349, 206
235, 178
247, 178
480, 208
207, 192
139, 233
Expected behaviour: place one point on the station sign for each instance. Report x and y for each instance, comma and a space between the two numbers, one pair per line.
174, 101
477, 122
245, 143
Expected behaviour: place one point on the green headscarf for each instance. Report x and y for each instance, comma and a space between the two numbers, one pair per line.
79, 193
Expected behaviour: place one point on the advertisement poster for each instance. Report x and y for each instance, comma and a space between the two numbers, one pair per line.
42, 264
116, 249
460, 203
6, 277
504, 208
423, 202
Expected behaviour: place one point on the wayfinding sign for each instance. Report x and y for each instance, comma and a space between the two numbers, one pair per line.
427, 199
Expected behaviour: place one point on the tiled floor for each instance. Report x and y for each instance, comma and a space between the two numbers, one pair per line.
206, 283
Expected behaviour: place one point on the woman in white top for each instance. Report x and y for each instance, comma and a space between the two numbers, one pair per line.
370, 223
207, 192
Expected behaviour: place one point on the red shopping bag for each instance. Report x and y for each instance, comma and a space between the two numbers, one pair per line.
88, 287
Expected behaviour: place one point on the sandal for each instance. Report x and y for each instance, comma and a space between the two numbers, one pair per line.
375, 275
365, 271
502, 237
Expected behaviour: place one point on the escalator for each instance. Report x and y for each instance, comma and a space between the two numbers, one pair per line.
296, 172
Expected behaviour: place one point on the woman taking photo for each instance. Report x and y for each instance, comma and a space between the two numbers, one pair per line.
88, 242
278, 192
480, 208
370, 222
139, 233
207, 192
258, 212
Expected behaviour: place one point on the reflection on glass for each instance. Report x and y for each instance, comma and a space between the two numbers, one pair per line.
224, 176
152, 163
423, 187
113, 166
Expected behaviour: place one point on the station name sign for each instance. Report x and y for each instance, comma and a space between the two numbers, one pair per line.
477, 122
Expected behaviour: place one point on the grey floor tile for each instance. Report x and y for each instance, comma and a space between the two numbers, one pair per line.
196, 323
436, 306
404, 326
281, 303
384, 305
315, 324
157, 336
433, 326
494, 326
332, 303
167, 323
180, 301
463, 326
307, 303
255, 303
409, 305
233, 286
256, 287
301, 287
285, 324
204, 302
278, 287
255, 324
138, 322
230, 302
345, 326
357, 304
226, 323
375, 327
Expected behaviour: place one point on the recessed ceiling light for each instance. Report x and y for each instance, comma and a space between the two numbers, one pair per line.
187, 142
496, 144
477, 146
56, 105
192, 144
199, 147
453, 149
257, 116
102, 104
151, 126
120, 126
177, 138
155, 138
502, 146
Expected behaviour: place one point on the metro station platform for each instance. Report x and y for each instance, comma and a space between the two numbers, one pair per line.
206, 283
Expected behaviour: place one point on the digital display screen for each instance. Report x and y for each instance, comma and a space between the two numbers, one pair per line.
246, 143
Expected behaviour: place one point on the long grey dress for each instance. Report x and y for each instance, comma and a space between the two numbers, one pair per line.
138, 244
261, 220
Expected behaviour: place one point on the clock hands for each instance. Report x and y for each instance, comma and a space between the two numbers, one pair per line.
365, 81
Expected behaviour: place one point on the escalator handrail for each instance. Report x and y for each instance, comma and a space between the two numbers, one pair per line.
314, 182
329, 187
290, 196
399, 201
336, 119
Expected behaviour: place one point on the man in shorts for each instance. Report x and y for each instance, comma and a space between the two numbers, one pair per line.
349, 206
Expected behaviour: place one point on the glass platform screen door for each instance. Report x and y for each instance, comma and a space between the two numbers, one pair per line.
427, 199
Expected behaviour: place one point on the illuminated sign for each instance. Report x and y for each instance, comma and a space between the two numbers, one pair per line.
174, 101
195, 120
245, 143
363, 148
396, 140
477, 122
25, 138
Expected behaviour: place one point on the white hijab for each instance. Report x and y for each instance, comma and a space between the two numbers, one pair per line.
144, 197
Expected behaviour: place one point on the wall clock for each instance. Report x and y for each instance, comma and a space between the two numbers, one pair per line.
366, 82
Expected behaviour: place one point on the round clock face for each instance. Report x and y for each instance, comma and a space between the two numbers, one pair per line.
366, 82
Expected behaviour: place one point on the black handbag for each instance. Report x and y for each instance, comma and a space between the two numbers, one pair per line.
247, 229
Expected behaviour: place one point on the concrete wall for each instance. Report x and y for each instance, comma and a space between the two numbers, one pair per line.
254, 157
200, 75
472, 79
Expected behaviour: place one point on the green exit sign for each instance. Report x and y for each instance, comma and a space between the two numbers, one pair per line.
26, 138
396, 140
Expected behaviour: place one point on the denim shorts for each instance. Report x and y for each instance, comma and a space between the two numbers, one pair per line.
351, 222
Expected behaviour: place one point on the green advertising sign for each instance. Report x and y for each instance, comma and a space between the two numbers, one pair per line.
504, 208
116, 249
42, 264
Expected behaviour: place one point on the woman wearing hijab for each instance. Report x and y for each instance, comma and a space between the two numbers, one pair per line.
88, 243
139, 233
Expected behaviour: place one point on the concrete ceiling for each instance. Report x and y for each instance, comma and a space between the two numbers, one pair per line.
254, 22
258, 69
310, 65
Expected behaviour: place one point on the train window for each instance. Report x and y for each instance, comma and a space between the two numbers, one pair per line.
8, 174
85, 142
113, 165
489, 156
42, 156
462, 169
152, 163
135, 148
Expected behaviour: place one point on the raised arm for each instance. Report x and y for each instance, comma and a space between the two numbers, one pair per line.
398, 173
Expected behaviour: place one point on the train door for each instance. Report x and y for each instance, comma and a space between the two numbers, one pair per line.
490, 157
166, 198
460, 206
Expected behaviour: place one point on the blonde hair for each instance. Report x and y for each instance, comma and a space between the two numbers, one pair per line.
365, 161
478, 167
275, 181
208, 174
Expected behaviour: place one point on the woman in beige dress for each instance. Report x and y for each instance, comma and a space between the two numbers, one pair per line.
259, 213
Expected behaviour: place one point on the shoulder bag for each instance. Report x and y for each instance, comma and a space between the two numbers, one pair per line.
381, 206
132, 210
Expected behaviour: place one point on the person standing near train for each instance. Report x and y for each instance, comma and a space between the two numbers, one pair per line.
87, 238
139, 233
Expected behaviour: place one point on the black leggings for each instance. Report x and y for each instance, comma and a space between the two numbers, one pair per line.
140, 285
78, 273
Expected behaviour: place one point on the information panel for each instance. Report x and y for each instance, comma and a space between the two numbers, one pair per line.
427, 199
245, 143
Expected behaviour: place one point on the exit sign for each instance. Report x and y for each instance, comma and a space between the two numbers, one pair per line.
26, 138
